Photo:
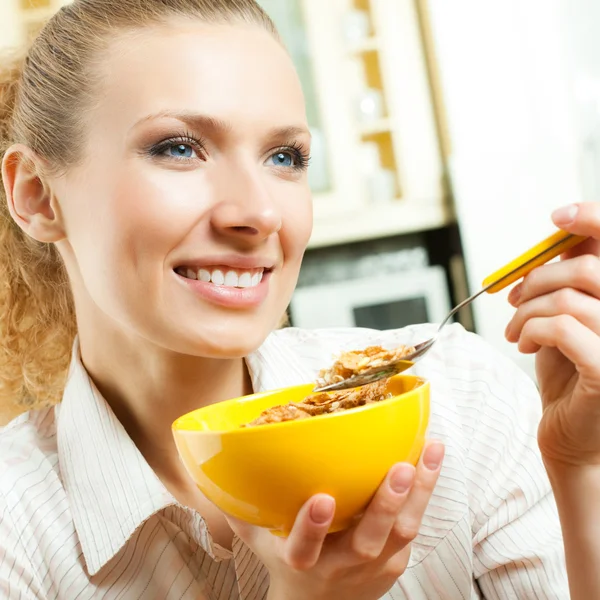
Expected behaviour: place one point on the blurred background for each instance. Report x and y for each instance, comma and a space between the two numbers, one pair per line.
445, 132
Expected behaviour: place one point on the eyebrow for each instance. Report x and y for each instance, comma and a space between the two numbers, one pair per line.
214, 125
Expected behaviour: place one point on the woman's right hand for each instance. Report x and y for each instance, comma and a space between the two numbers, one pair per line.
361, 563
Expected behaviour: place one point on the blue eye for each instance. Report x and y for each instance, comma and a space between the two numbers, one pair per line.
184, 148
180, 151
283, 159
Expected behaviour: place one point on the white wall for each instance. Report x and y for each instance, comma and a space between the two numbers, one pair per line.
582, 24
505, 76
10, 26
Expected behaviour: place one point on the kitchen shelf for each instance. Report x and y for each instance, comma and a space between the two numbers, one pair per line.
370, 44
399, 217
376, 127
26, 5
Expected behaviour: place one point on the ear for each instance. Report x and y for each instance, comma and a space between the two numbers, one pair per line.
29, 198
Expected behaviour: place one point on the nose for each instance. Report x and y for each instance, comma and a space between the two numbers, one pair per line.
244, 207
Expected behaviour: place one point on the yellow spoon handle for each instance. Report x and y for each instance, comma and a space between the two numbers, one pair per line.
545, 251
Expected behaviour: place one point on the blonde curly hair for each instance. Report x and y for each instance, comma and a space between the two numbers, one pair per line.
43, 98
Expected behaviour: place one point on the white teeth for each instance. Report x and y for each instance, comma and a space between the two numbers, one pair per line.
234, 279
245, 280
217, 277
204, 275
231, 279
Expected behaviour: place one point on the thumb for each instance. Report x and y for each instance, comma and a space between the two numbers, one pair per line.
580, 219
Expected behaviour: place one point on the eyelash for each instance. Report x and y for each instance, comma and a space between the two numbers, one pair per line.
296, 149
184, 139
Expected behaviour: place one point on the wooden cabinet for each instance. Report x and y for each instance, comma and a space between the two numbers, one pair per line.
368, 82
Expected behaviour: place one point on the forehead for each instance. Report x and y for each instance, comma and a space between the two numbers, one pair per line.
234, 72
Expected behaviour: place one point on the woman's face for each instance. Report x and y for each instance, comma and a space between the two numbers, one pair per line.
187, 220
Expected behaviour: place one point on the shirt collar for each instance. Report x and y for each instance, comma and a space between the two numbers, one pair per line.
111, 488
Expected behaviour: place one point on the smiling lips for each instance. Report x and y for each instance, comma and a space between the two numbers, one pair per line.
239, 287
225, 276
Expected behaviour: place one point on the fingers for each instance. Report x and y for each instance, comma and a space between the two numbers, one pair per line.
566, 301
408, 521
589, 246
393, 518
564, 332
303, 546
581, 273
370, 536
396, 564
582, 269
580, 219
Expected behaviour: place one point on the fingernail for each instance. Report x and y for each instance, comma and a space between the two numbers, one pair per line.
515, 294
565, 215
322, 510
401, 478
507, 331
434, 454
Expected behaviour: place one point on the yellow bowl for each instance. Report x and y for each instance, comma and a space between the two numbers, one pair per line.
263, 475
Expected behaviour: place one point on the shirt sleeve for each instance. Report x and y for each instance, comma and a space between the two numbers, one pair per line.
18, 580
517, 542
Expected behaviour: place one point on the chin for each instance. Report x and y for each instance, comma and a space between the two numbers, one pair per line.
227, 342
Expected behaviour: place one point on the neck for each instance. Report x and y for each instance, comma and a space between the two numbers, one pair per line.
148, 388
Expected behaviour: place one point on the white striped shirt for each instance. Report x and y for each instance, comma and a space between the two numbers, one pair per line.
82, 515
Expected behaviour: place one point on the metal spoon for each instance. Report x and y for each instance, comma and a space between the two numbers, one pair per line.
540, 254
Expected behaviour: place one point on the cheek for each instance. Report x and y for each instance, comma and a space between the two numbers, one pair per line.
143, 215
157, 207
123, 233
144, 222
297, 223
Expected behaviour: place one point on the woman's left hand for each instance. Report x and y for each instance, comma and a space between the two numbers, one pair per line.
558, 317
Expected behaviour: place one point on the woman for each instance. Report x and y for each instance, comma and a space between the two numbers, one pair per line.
155, 216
